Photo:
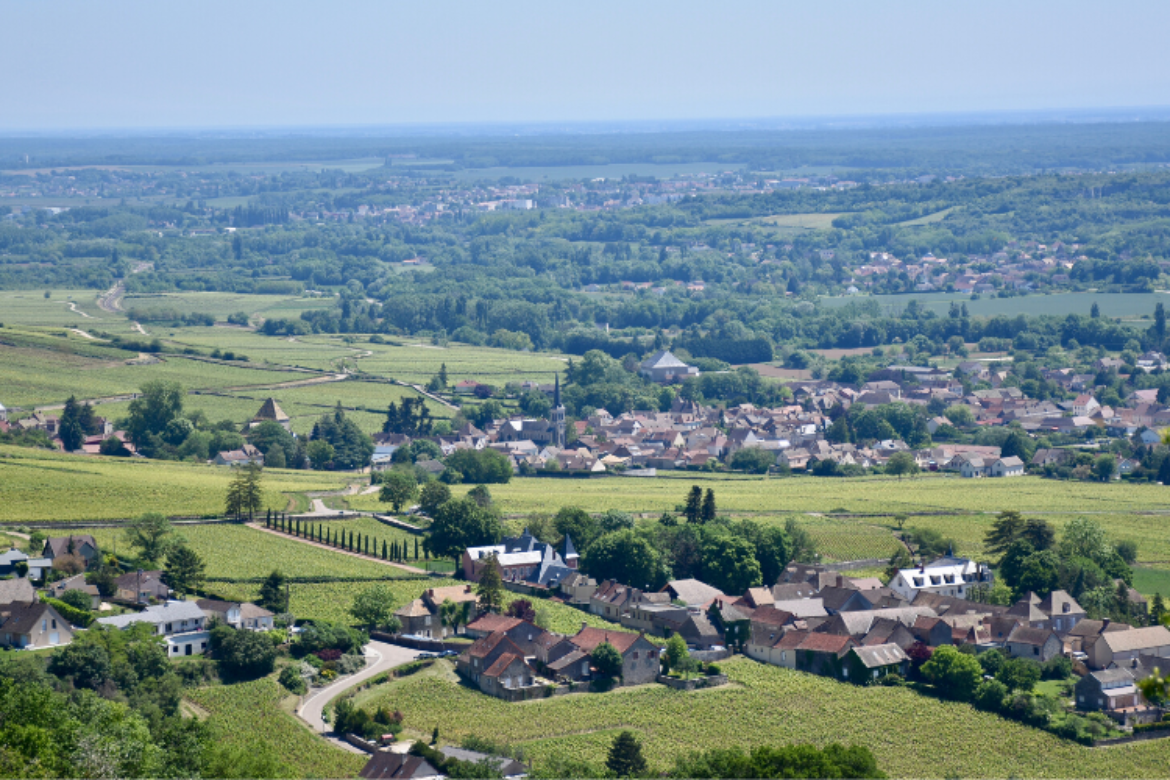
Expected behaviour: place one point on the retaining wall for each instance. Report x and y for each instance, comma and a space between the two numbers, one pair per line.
694, 683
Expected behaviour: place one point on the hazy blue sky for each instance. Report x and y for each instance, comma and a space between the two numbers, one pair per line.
244, 63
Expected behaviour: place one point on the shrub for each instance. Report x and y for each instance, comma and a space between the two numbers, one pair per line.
713, 669
290, 678
77, 617
348, 664
328, 655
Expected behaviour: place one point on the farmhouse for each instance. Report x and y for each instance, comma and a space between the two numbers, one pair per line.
1121, 647
947, 576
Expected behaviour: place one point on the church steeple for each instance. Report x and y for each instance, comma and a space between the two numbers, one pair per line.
558, 415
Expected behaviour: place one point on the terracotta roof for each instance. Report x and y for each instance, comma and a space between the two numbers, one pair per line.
825, 643
502, 663
589, 638
1029, 636
483, 646
491, 623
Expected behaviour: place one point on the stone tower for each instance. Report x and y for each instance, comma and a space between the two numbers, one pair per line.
558, 416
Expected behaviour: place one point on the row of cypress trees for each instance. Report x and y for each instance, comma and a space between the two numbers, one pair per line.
345, 540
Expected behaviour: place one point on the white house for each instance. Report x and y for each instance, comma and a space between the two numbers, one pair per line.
947, 576
3, 414
1007, 467
182, 623
1084, 404
973, 468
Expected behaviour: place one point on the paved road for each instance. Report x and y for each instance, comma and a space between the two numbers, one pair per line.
380, 657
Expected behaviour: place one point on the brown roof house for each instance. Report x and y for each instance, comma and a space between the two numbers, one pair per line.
76, 582
495, 663
269, 411
81, 545
521, 632
640, 662
823, 654
385, 765
863, 664
33, 626
1039, 644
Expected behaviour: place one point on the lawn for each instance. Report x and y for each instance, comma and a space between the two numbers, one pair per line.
767, 705
1149, 581
42, 485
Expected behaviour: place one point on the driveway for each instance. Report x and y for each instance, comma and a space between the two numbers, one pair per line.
380, 657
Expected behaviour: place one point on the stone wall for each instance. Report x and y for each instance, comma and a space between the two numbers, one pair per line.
693, 683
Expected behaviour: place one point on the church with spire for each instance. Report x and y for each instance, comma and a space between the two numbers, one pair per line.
543, 432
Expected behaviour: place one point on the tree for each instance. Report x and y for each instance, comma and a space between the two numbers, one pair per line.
151, 534
1104, 467
1094, 310
729, 563
576, 523
535, 404
351, 447
489, 591
960, 415
69, 428
676, 654
624, 556
625, 756
607, 659
1156, 688
693, 509
453, 615
803, 546
320, 454
1019, 674
243, 654
398, 489
151, 412
481, 496
901, 463
522, 609
185, 569
1018, 444
1085, 538
374, 607
433, 495
954, 674
707, 514
458, 524
274, 593
753, 460
244, 494
480, 467
1039, 574
1007, 527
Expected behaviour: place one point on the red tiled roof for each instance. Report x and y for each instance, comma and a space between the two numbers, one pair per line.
491, 623
791, 640
826, 643
589, 638
502, 663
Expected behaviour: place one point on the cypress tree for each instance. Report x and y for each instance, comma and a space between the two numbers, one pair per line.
268, 520
384, 549
416, 548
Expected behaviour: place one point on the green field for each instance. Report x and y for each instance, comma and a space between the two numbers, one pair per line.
813, 221
42, 485
249, 715
911, 735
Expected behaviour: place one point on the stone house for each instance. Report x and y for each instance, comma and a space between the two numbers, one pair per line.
862, 664
81, 545
1107, 689
640, 662
522, 633
1123, 647
1038, 644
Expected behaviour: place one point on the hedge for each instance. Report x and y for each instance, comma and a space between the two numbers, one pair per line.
78, 617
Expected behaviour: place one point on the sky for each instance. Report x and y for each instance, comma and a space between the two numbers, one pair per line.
128, 64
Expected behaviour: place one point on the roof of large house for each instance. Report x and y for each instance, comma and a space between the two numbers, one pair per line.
19, 589
825, 643
253, 611
1027, 610
567, 660
662, 359
1059, 602
589, 638
1023, 635
491, 622
215, 605
157, 613
400, 766
502, 663
802, 608
76, 582
506, 766
874, 656
416, 608
21, 617
485, 645
1136, 639
1088, 627
692, 592
271, 410
457, 593
59, 545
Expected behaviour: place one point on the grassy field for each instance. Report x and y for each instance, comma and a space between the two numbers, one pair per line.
766, 705
1149, 581
249, 715
42, 485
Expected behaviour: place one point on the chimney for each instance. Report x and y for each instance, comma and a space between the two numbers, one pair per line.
584, 625
1104, 624
840, 581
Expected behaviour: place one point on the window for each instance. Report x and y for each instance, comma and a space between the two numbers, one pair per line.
54, 622
1035, 651
170, 627
635, 655
44, 625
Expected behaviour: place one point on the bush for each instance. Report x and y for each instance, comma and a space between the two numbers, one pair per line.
77, 617
78, 599
243, 654
348, 664
290, 678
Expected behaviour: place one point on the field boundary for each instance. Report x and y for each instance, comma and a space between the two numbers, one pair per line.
363, 556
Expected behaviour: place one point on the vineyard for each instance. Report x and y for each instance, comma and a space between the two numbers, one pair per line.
42, 485
911, 735
249, 715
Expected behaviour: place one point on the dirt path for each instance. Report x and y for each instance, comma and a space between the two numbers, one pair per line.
392, 564
316, 380
138, 327
85, 335
73, 308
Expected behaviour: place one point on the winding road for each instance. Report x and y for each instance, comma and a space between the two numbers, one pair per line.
380, 657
